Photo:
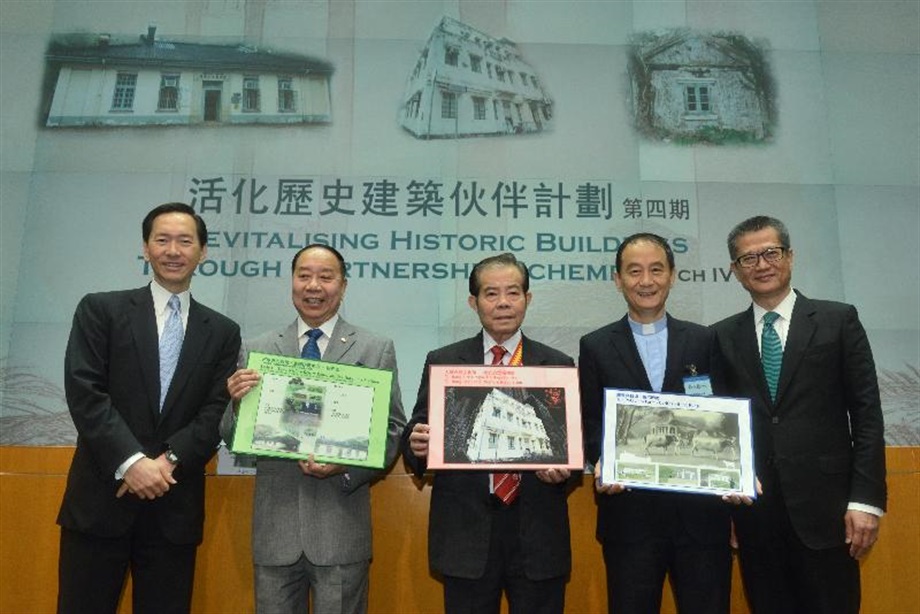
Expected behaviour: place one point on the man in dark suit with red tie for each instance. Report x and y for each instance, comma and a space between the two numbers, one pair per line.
819, 448
647, 534
482, 538
145, 377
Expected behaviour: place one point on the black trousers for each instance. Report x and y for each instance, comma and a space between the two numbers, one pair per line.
780, 573
700, 575
92, 571
504, 572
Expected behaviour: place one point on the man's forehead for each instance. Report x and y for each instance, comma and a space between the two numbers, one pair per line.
507, 278
316, 266
179, 225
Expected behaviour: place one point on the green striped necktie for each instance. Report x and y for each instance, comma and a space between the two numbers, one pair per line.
771, 352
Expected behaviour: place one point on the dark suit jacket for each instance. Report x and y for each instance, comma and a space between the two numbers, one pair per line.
460, 517
112, 383
609, 358
823, 438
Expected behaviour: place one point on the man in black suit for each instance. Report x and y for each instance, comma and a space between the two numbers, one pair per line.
480, 544
819, 448
646, 534
135, 491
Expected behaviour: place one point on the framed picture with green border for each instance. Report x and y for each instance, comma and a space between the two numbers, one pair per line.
335, 412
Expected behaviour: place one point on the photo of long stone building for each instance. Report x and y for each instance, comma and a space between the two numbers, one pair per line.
98, 82
466, 83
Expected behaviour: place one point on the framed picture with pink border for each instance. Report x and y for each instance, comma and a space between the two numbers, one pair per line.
504, 418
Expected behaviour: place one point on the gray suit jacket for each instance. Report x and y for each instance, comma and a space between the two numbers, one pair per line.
328, 520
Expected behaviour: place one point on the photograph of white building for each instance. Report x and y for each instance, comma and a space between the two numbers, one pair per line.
466, 83
153, 82
505, 429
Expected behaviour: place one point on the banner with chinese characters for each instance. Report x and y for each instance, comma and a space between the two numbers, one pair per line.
419, 137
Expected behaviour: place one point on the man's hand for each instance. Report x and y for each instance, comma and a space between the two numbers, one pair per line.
320, 470
148, 478
605, 489
861, 531
553, 476
241, 382
418, 440
736, 498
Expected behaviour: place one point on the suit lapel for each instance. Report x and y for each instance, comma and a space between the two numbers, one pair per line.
621, 338
801, 331
471, 352
747, 354
341, 341
287, 342
674, 369
146, 342
530, 356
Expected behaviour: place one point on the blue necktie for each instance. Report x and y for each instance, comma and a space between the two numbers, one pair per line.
311, 347
771, 352
170, 346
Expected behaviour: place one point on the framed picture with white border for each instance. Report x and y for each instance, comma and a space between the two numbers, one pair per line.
676, 442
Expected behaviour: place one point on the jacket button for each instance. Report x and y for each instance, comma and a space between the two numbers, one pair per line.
775, 419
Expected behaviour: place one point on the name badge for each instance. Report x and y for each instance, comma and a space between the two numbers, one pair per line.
698, 385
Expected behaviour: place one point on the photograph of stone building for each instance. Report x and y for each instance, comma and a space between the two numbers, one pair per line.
690, 87
505, 425
95, 81
467, 83
506, 429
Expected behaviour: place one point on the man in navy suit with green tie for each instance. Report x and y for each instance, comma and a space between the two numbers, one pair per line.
819, 448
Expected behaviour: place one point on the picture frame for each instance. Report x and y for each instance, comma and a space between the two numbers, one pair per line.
336, 412
678, 443
504, 418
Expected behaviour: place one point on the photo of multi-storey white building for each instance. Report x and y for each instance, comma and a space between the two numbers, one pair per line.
505, 429
467, 83
158, 82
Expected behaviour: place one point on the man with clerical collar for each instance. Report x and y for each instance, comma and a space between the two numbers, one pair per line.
483, 538
648, 534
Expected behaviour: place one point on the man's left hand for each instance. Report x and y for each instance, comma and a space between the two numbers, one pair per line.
553, 476
862, 531
320, 470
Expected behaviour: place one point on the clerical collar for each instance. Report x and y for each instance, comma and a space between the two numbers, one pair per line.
648, 329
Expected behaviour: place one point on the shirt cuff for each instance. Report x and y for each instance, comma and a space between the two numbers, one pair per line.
869, 509
123, 468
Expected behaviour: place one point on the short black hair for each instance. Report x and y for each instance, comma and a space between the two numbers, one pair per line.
651, 238
506, 259
754, 224
200, 226
328, 248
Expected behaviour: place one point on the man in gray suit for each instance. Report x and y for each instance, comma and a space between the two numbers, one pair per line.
311, 522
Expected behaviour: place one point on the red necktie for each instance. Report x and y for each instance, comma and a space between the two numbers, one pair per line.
505, 485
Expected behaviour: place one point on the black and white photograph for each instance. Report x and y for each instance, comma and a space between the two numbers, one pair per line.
483, 417
677, 442
494, 425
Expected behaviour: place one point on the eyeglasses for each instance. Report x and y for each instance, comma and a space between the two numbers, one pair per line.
771, 255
